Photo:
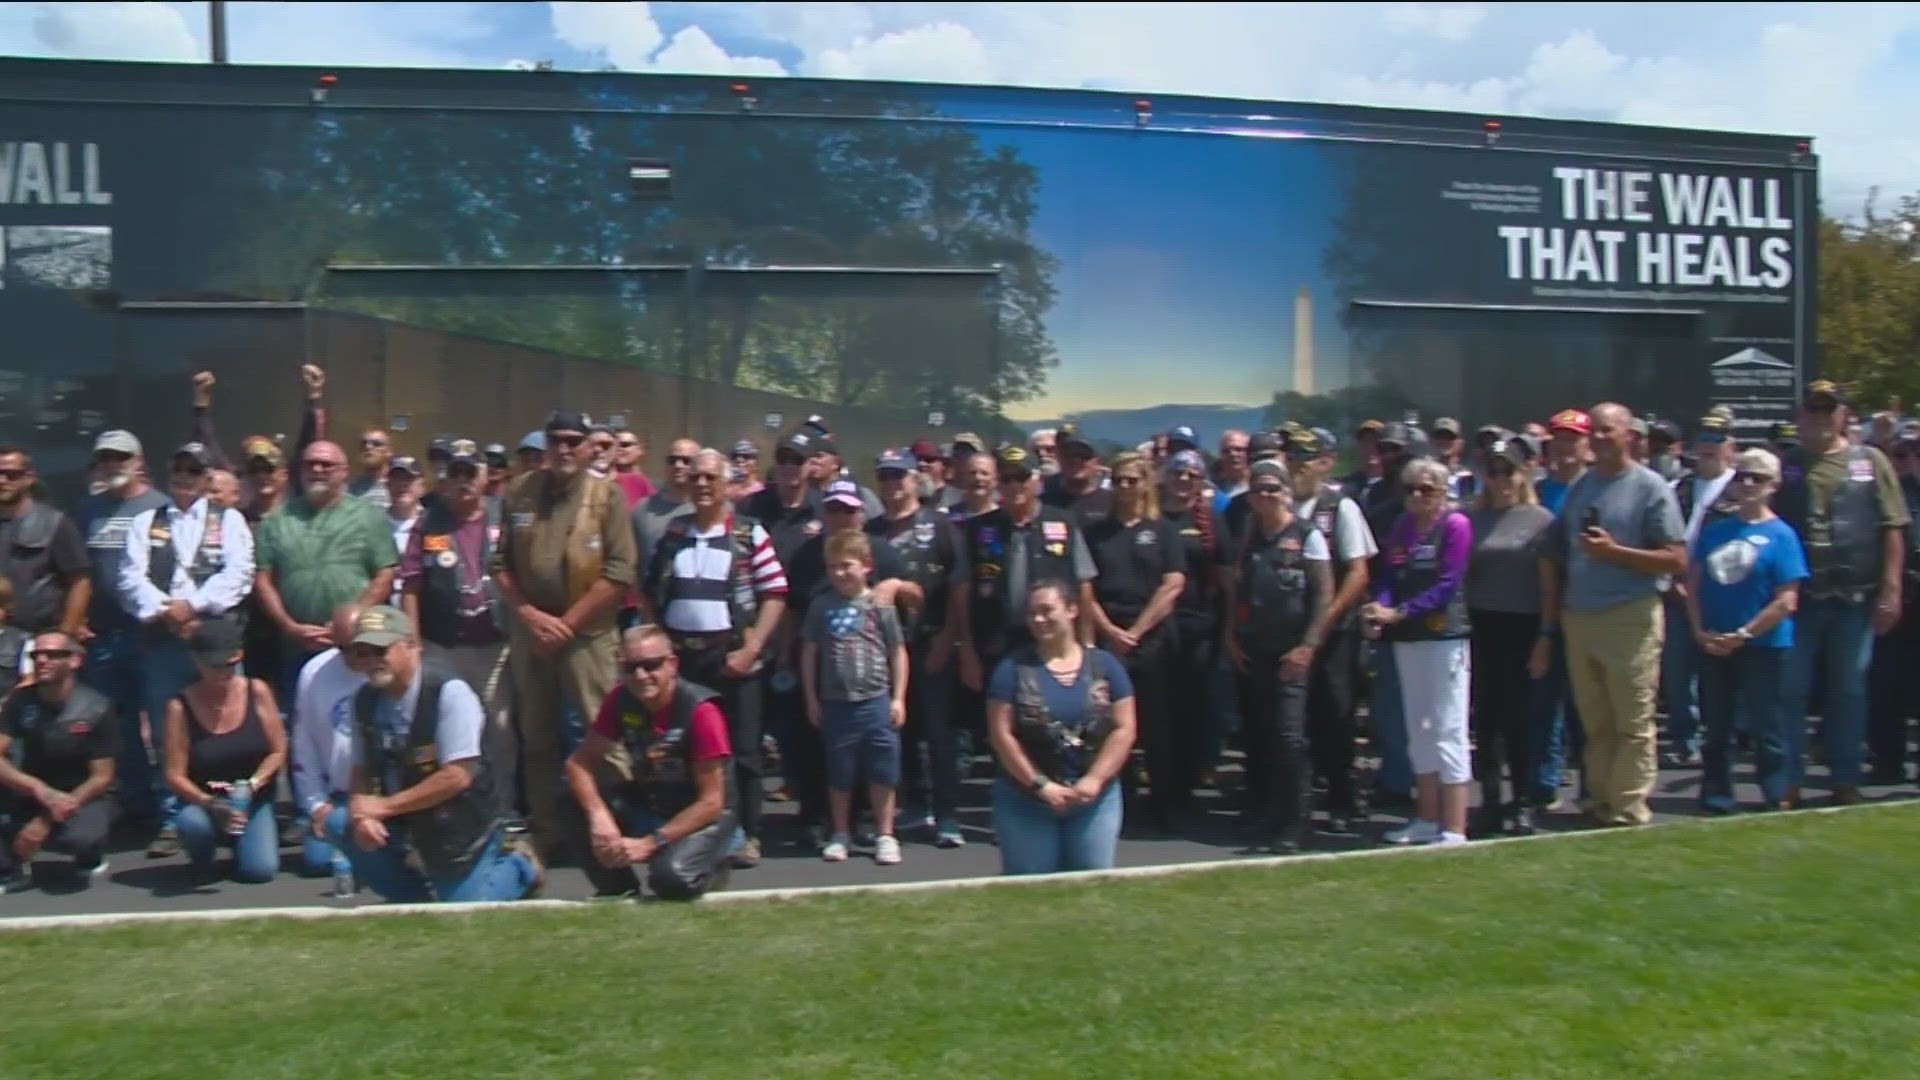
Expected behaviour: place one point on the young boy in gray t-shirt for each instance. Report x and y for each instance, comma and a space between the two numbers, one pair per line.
853, 666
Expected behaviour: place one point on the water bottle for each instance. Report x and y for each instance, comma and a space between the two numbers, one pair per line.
343, 885
239, 796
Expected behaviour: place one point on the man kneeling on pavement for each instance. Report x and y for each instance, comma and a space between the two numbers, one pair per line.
653, 779
427, 817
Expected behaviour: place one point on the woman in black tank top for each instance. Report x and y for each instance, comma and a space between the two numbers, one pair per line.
224, 747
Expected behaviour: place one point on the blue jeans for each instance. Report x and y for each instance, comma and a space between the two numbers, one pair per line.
1837, 634
256, 851
116, 669
1745, 685
1680, 660
1389, 716
491, 876
1035, 840
1558, 728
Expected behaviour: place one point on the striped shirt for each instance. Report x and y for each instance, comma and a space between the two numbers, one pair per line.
702, 578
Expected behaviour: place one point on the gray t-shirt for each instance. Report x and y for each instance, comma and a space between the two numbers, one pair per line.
103, 521
856, 639
1504, 571
1638, 510
650, 520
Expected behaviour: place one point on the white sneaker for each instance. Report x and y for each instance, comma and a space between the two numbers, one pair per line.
1414, 832
886, 851
1449, 839
836, 849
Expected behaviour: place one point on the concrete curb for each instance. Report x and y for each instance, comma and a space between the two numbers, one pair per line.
126, 918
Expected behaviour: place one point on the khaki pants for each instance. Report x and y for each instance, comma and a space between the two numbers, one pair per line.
1613, 660
584, 672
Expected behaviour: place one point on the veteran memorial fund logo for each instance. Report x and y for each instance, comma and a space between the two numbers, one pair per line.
1758, 386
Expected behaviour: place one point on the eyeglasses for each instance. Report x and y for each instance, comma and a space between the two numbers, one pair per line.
13, 474
360, 651
373, 444
648, 664
1269, 490
742, 459
843, 508
566, 442
679, 459
1188, 474
1423, 489
51, 654
1752, 478
111, 457
462, 472
705, 477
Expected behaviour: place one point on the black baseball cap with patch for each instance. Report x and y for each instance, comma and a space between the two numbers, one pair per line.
1013, 459
196, 453
800, 443
568, 420
1264, 444
1713, 427
1824, 394
1069, 435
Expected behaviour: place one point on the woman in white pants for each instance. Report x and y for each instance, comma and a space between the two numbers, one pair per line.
1421, 609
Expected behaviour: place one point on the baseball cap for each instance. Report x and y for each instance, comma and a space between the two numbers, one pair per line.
441, 447
817, 425
568, 420
1713, 428
1263, 444
1271, 467
196, 453
844, 493
1908, 432
1182, 437
496, 453
1490, 432
1665, 429
406, 463
260, 448
535, 440
1013, 459
382, 625
924, 450
1638, 425
745, 448
1786, 434
896, 459
1186, 461
1303, 443
799, 443
968, 441
117, 441
216, 641
1396, 434
1824, 393
1447, 425
1069, 434
1368, 427
1571, 420
464, 453
1512, 450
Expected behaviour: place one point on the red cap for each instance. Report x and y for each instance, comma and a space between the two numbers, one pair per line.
925, 448
1571, 420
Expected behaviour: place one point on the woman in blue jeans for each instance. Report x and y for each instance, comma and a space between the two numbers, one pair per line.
224, 745
1061, 719
1743, 586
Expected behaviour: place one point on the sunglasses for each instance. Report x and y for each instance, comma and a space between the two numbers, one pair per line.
1014, 478
648, 664
1423, 489
366, 652
373, 444
795, 460
930, 460
627, 444
462, 472
742, 459
189, 470
1269, 490
679, 459
111, 457
566, 442
13, 474
1752, 478
51, 654
884, 475
262, 468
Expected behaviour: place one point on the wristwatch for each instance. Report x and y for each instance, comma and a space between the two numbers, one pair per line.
659, 839
1040, 782
1743, 634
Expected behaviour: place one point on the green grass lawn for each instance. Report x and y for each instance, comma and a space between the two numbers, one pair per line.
1761, 947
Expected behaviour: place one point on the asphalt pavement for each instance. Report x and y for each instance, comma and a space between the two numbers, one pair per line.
133, 883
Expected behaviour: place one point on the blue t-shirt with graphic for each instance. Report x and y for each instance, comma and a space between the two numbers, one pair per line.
1742, 564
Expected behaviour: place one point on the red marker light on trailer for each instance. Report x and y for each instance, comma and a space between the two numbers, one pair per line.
745, 93
322, 85
1493, 131
1142, 111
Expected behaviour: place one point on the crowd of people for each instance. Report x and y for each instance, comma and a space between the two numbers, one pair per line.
438, 678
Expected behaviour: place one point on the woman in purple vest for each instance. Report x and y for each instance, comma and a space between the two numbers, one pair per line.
1421, 610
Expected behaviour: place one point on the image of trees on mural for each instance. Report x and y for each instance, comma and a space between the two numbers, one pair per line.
878, 264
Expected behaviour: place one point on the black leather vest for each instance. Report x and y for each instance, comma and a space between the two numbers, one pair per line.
1848, 562
1062, 753
452, 834
999, 618
26, 558
1274, 606
444, 596
662, 761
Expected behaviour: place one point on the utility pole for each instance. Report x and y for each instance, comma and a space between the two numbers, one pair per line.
217, 29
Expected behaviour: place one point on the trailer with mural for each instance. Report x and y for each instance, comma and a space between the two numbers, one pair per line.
464, 250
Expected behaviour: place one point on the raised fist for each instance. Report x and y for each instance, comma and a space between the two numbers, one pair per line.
314, 377
203, 388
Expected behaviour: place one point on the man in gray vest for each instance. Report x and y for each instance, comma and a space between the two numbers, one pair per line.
183, 564
41, 554
1844, 500
427, 817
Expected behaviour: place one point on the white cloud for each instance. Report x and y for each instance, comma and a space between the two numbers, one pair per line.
626, 34
110, 31
945, 52
693, 52
1447, 22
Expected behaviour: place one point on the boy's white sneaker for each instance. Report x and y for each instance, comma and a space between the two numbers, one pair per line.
1414, 832
886, 851
836, 849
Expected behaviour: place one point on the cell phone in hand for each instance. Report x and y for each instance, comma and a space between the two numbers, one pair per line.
1590, 521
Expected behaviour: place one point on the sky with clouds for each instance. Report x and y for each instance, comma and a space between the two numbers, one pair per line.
1831, 71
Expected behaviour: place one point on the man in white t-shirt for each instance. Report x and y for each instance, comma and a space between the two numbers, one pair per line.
1333, 688
322, 739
